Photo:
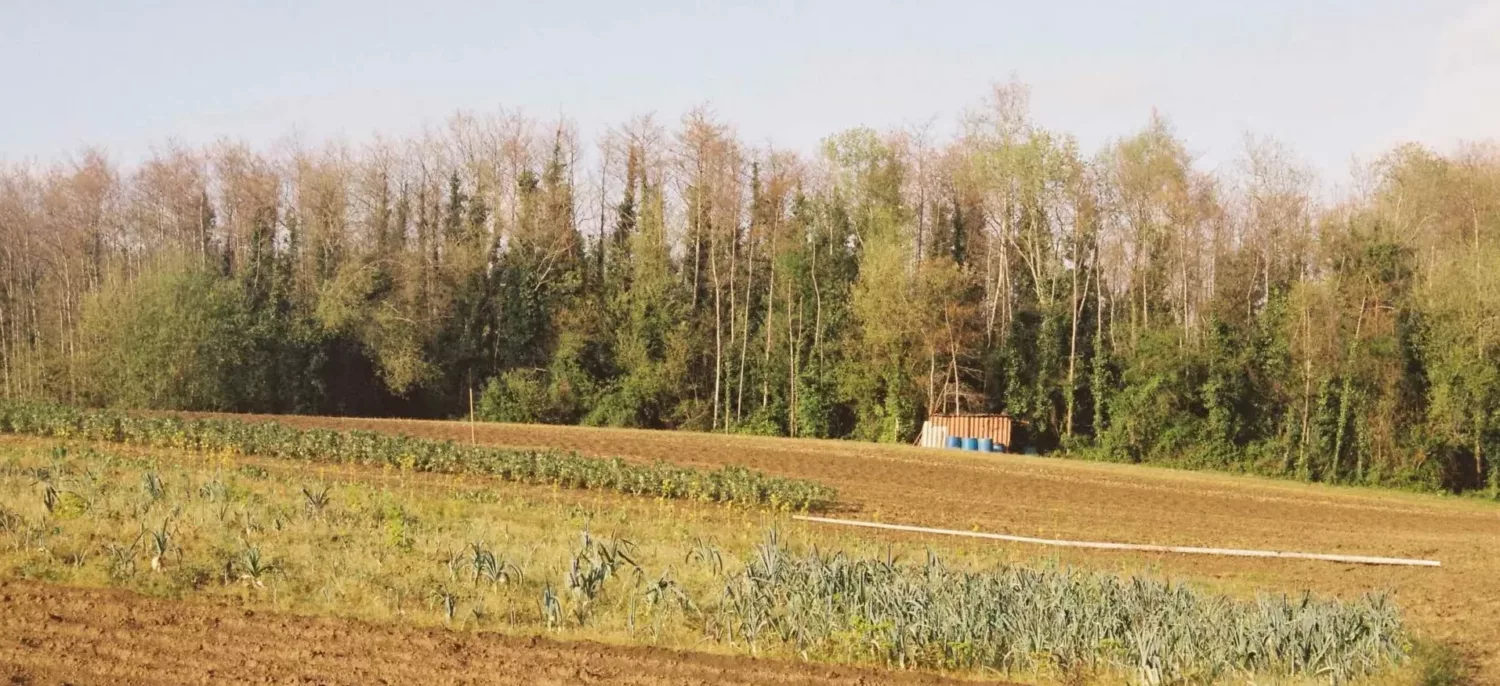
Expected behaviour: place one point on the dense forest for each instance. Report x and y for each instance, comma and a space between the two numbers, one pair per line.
1122, 303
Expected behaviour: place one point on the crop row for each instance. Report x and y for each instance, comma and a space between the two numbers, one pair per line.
269, 439
1020, 619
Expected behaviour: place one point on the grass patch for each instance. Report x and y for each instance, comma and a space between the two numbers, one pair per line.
1439, 664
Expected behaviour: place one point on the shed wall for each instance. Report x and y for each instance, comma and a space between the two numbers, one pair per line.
996, 427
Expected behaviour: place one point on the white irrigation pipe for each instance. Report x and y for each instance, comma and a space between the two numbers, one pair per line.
1354, 559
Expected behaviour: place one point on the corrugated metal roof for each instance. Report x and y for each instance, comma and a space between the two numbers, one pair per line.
996, 427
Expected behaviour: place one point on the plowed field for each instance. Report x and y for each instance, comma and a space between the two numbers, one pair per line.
1459, 602
54, 634
59, 635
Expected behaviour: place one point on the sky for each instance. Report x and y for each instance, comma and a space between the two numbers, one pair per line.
1334, 80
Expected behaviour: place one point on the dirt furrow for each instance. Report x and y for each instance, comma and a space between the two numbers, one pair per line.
53, 634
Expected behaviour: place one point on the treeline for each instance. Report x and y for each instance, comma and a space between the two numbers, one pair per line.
1123, 302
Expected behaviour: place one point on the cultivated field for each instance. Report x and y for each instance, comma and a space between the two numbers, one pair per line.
389, 590
53, 634
1457, 603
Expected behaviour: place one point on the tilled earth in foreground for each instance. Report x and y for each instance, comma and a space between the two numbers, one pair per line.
53, 634
1458, 602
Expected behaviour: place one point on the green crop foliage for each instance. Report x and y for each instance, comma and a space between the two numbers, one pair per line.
1050, 620
735, 485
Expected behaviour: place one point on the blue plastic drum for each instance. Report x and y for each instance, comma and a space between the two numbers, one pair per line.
986, 445
971, 443
955, 442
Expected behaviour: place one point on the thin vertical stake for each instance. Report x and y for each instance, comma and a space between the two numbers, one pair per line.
472, 441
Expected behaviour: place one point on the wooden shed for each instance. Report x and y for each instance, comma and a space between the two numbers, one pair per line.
938, 427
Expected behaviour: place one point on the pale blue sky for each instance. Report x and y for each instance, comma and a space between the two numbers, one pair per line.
1330, 78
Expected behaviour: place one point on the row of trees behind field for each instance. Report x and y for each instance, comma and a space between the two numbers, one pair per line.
1123, 302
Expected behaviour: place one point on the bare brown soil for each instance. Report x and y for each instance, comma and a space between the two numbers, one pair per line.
1458, 603
59, 635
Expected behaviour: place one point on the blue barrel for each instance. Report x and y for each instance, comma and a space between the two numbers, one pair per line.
999, 447
971, 443
955, 442
986, 445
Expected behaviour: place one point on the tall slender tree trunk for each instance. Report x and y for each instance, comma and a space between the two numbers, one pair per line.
1306, 419
953, 382
33, 335
739, 402
603, 212
791, 365
1097, 377
5, 345
1075, 306
921, 221
992, 293
817, 307
765, 377
1135, 332
1344, 391
734, 316
718, 334
1307, 372
1479, 420
698, 241
1005, 286
931, 379
1187, 316
65, 322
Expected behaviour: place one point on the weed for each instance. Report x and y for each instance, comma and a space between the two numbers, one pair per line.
11, 522
122, 558
253, 568
214, 490
315, 501
446, 599
485, 565
161, 544
152, 486
1439, 664
552, 611
705, 552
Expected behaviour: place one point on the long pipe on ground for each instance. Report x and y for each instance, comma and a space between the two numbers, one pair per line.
1232, 552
